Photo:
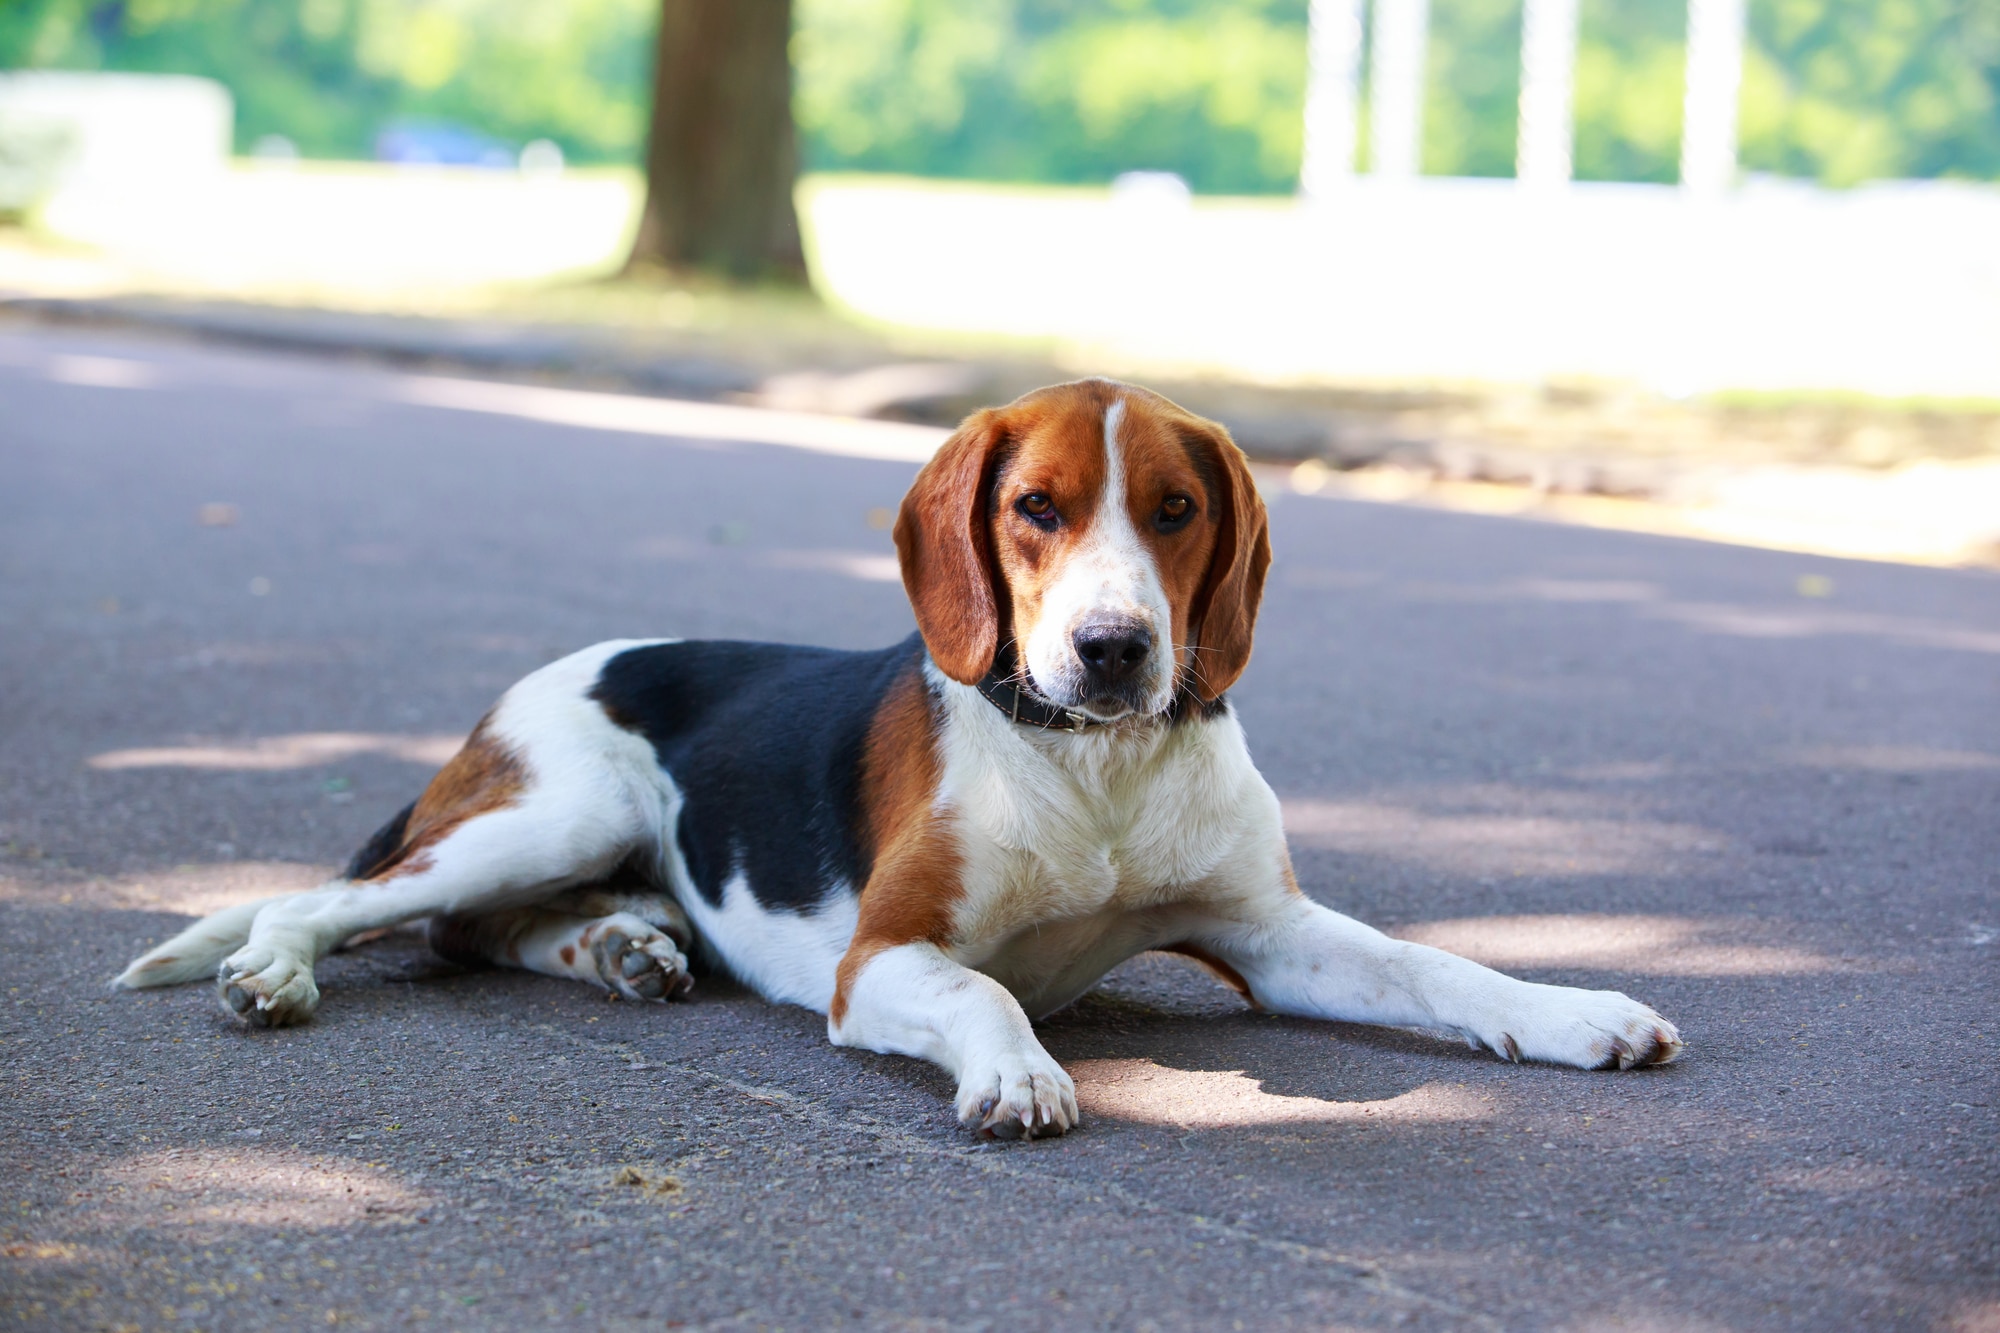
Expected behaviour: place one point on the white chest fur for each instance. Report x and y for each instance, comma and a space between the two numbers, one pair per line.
1068, 838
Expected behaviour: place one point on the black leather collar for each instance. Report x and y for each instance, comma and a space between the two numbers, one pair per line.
1031, 709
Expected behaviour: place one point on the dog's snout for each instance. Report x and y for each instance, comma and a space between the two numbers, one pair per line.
1112, 651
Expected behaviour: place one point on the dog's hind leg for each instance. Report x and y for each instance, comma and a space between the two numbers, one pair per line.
502, 826
193, 954
629, 944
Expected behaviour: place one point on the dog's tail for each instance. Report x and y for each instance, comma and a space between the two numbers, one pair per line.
195, 953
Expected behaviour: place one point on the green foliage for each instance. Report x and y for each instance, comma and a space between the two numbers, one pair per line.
1472, 78
328, 74
1040, 90
1629, 87
1068, 90
1852, 90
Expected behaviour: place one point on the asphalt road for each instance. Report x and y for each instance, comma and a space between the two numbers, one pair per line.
1766, 806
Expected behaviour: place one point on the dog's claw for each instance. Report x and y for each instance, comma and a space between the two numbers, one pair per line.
1625, 1057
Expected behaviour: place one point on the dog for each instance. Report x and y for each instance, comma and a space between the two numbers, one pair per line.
934, 843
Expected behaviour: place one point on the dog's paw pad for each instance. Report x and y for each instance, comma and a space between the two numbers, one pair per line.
1587, 1030
640, 963
1657, 1044
267, 989
1018, 1099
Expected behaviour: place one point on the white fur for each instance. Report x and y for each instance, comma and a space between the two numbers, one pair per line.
1111, 576
788, 957
913, 1000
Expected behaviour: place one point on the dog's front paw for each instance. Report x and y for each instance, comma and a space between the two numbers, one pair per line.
1588, 1029
267, 988
1017, 1096
639, 962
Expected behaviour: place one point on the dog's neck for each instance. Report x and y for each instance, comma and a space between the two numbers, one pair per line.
1004, 687
1026, 708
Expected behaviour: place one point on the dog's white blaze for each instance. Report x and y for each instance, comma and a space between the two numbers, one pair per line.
1111, 575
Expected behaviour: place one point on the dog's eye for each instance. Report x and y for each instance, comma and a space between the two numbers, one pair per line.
1174, 511
1038, 508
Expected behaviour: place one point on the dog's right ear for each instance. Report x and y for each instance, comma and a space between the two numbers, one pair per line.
947, 554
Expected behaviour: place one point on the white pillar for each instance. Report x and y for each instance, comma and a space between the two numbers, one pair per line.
1548, 71
1333, 66
1714, 76
1396, 88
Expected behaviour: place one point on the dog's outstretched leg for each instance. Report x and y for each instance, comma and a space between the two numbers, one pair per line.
193, 954
630, 945
1310, 961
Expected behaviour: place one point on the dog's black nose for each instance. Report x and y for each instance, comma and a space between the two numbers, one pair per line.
1112, 651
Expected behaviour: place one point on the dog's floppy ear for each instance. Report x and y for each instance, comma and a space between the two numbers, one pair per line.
1224, 615
947, 553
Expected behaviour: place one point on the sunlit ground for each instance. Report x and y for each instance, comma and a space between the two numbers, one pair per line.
1889, 291
1892, 290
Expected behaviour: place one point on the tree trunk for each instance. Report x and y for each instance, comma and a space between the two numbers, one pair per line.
722, 156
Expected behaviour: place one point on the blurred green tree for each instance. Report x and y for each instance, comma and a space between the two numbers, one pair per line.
1850, 90
1068, 90
1055, 90
330, 74
1472, 87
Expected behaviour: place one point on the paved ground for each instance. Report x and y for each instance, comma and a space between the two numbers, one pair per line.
1756, 790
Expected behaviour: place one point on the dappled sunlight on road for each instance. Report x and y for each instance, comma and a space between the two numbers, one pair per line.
196, 890
867, 566
846, 437
1845, 1177
1479, 834
1897, 759
1810, 617
220, 1189
1143, 1092
1650, 945
309, 749
1975, 1317
1771, 622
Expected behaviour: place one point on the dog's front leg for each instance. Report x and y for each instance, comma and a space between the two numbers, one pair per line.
1308, 960
911, 999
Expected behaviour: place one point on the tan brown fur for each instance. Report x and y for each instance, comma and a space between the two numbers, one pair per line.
946, 557
1224, 611
1228, 975
913, 887
485, 775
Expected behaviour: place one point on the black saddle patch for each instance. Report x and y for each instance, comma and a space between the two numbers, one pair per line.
381, 849
765, 743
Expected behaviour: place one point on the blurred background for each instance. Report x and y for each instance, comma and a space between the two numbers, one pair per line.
1721, 266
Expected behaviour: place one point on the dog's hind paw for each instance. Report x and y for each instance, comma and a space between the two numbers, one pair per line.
638, 962
267, 989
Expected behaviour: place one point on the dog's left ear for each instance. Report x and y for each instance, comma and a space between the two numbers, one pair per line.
1224, 615
947, 554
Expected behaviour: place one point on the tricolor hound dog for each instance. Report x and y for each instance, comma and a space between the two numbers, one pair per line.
933, 843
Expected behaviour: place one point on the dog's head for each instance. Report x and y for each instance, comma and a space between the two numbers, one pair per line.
1112, 544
